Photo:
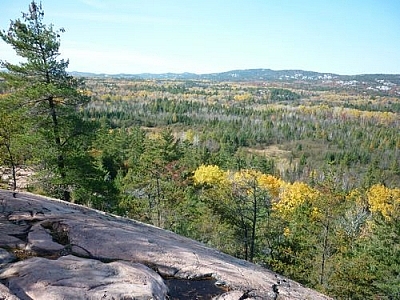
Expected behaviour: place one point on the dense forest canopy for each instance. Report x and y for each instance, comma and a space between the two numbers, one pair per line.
297, 176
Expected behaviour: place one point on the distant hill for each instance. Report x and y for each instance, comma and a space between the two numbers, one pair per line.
382, 84
234, 75
252, 75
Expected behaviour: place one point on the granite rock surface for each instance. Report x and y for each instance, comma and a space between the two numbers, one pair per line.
50, 249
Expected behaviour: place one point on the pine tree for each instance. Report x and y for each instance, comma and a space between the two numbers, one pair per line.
52, 97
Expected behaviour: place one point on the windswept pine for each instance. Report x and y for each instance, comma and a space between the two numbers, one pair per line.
42, 93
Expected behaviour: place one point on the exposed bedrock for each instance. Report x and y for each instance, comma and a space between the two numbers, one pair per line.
50, 249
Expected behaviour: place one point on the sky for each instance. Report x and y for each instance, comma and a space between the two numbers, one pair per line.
345, 37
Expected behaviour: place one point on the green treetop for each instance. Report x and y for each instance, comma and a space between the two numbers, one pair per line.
52, 97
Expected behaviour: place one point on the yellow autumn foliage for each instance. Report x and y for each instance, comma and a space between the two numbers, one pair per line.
154, 136
316, 214
384, 200
292, 196
244, 179
190, 135
251, 179
355, 196
210, 174
243, 97
286, 231
271, 183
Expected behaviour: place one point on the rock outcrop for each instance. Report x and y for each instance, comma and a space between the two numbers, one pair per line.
50, 249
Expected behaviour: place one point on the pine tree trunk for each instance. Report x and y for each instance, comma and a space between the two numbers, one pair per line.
60, 158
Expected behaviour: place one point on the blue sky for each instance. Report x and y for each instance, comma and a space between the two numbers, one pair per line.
157, 36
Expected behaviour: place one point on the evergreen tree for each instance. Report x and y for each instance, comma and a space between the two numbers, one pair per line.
13, 139
52, 98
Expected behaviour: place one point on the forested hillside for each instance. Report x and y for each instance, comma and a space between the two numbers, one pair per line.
305, 182
298, 177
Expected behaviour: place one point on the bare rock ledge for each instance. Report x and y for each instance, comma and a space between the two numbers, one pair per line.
50, 249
